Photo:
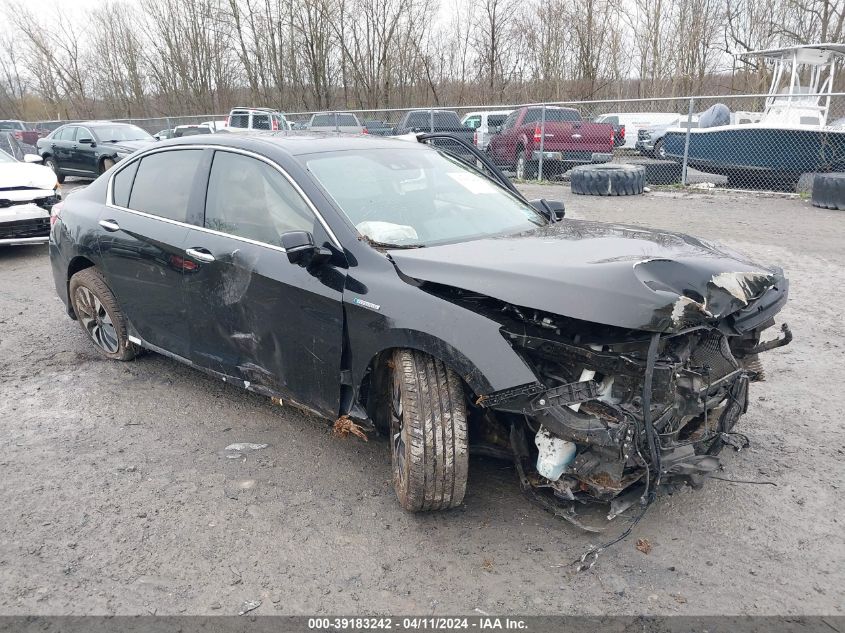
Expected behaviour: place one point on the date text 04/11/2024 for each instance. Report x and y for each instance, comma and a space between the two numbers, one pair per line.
481, 623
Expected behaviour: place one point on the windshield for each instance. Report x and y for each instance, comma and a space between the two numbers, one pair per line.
112, 133
12, 125
418, 197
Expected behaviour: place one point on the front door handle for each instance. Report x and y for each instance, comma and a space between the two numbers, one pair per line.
200, 254
110, 225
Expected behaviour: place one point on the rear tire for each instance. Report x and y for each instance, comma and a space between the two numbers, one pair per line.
659, 150
428, 432
52, 164
829, 191
607, 180
525, 169
99, 315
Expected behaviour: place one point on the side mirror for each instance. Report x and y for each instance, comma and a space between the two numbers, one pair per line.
554, 210
32, 158
300, 249
86, 141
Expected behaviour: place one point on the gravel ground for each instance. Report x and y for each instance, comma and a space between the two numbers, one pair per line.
119, 498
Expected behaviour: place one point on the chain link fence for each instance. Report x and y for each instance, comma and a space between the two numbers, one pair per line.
756, 141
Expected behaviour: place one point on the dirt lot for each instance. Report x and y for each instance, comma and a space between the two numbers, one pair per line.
118, 497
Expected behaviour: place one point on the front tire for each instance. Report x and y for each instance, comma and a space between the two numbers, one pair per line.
52, 164
106, 164
659, 150
99, 315
428, 432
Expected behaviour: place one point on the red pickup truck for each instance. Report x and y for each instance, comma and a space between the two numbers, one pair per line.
20, 131
568, 141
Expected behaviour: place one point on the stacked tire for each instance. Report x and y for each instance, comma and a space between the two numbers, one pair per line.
607, 180
829, 191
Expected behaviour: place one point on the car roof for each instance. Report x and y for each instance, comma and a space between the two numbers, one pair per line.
95, 123
295, 144
254, 109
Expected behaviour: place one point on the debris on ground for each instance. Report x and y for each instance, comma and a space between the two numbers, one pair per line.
245, 446
643, 545
249, 605
344, 425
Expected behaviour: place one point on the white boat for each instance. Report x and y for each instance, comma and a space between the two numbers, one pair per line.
792, 137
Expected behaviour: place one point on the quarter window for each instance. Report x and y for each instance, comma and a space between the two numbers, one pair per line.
249, 198
122, 185
473, 122
163, 183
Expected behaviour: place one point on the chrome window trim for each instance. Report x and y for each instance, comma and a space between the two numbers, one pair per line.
222, 148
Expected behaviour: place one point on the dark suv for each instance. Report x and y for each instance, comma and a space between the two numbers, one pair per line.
89, 148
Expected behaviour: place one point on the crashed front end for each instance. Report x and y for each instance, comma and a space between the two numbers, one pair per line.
618, 412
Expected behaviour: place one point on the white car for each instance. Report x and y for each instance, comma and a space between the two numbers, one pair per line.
636, 121
485, 124
28, 192
245, 118
344, 122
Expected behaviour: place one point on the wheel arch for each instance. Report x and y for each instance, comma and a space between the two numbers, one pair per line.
366, 370
76, 264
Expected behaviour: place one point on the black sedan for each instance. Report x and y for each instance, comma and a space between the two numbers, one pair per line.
388, 284
88, 149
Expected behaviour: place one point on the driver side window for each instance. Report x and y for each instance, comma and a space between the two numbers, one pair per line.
510, 121
248, 198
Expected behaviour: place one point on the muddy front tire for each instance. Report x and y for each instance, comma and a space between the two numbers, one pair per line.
428, 432
99, 315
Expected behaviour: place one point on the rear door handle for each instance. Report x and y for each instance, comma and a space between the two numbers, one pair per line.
110, 225
200, 254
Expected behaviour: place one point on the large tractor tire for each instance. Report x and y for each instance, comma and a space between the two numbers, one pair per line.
608, 179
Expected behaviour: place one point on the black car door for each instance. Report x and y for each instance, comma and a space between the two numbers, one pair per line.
61, 146
83, 152
275, 326
142, 243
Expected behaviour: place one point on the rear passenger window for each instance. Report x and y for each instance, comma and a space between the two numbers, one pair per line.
248, 198
240, 119
163, 183
261, 121
122, 184
66, 134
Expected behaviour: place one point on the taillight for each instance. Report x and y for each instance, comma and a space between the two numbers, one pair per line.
537, 136
612, 135
622, 131
364, 131
56, 213
275, 125
475, 138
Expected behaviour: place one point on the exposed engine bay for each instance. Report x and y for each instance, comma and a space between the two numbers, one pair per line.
618, 414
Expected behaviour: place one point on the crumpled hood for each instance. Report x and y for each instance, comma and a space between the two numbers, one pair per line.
26, 175
617, 275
